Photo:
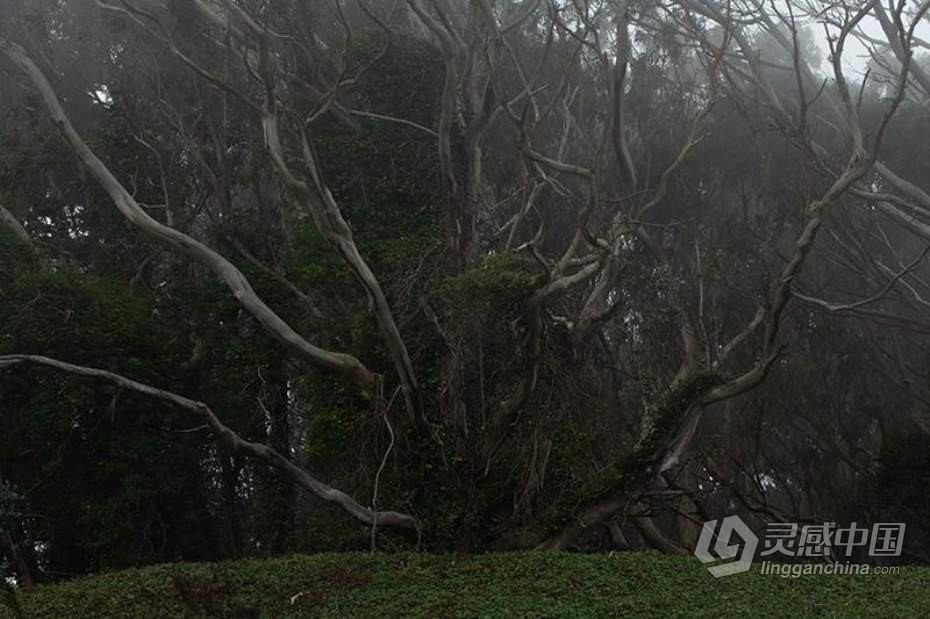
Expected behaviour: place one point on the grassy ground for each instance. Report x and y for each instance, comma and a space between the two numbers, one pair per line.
494, 585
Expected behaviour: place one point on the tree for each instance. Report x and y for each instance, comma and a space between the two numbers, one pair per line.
550, 252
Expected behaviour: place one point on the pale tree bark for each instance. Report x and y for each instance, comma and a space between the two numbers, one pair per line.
311, 186
14, 227
231, 440
697, 386
340, 363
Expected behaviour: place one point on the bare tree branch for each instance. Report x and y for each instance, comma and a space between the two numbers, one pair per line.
230, 440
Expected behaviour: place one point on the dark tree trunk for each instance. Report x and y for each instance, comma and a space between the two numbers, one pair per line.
231, 515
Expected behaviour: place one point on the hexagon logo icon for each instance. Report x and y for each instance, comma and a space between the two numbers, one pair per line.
724, 549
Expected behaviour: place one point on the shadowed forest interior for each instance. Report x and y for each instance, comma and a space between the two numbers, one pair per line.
293, 276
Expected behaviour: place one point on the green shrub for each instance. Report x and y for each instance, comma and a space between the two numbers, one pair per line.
530, 584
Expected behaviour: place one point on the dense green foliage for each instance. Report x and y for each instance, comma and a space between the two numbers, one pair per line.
497, 585
486, 320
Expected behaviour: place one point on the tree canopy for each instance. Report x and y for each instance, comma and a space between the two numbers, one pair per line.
302, 276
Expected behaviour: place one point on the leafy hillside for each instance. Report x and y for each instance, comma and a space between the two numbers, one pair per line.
492, 585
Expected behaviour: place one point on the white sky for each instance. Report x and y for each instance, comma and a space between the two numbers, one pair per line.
855, 56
